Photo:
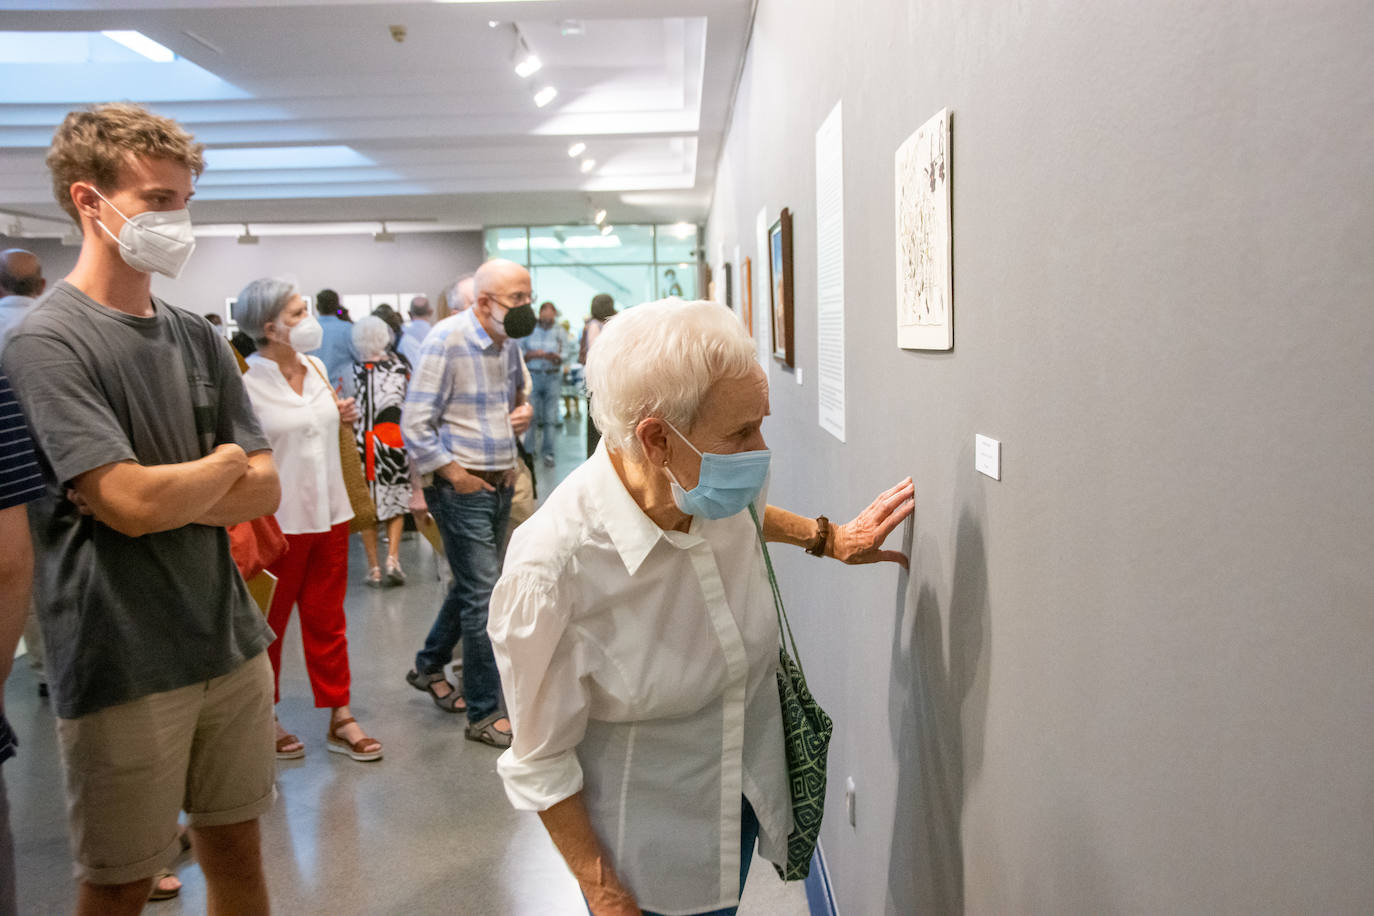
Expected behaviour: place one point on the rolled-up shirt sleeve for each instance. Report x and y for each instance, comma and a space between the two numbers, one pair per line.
540, 662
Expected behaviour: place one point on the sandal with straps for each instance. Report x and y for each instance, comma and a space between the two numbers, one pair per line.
449, 702
364, 749
158, 892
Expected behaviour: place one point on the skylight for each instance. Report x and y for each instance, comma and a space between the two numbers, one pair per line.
142, 44
284, 157
81, 48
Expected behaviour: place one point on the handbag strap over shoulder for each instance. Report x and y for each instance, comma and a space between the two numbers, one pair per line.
783, 625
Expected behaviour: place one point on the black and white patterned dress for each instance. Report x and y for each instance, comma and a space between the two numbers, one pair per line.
380, 387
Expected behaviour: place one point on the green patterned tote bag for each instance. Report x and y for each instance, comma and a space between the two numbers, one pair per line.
806, 739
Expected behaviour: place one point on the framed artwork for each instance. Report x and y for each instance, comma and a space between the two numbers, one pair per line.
780, 289
925, 267
746, 312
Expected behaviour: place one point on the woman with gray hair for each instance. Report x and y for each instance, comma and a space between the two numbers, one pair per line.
300, 415
380, 378
634, 625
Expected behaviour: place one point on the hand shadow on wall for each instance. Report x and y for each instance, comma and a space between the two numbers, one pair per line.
937, 710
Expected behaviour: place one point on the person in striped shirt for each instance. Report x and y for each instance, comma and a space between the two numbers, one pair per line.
21, 482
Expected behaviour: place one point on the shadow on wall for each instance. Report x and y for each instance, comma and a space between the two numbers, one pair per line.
937, 710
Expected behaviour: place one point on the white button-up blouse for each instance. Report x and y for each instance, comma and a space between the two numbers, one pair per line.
639, 667
304, 432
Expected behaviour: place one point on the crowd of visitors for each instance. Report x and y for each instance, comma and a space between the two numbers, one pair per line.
153, 477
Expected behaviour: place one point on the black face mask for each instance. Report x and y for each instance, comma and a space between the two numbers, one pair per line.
520, 321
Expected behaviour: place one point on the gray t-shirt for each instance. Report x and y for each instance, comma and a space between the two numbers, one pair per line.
124, 617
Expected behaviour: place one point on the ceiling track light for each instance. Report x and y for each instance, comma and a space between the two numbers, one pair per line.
248, 238
16, 229
545, 96
72, 239
587, 165
577, 149
600, 217
383, 236
607, 229
527, 64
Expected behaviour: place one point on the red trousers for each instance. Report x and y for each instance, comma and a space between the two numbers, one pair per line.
313, 574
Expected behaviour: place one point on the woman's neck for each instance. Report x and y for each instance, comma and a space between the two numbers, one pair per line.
650, 490
282, 354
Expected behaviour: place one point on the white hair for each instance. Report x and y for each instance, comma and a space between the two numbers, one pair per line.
371, 337
658, 360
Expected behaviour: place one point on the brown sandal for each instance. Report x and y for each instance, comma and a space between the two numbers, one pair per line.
364, 749
158, 892
286, 752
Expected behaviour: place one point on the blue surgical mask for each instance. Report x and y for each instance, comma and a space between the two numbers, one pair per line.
726, 485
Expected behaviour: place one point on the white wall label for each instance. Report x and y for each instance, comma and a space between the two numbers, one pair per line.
987, 456
830, 274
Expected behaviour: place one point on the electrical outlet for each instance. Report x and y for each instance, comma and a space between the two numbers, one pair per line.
849, 800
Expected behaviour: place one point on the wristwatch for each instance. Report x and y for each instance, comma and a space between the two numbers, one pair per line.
817, 547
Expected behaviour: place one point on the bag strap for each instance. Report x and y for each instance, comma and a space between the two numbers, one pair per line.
311, 363
783, 625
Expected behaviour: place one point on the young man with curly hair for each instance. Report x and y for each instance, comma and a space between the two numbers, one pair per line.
148, 448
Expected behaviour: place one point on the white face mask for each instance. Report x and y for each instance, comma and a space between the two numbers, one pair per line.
306, 335
157, 240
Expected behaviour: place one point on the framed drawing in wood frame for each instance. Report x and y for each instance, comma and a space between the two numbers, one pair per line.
780, 289
747, 296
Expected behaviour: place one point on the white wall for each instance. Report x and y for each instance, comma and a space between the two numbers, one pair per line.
220, 267
1137, 674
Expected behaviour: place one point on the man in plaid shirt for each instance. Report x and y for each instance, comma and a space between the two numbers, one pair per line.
461, 432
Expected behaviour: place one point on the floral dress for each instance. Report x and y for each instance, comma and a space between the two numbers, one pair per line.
380, 388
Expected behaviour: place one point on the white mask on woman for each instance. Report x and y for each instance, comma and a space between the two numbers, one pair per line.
306, 335
155, 240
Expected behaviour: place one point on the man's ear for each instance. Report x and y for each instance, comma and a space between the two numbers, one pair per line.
84, 198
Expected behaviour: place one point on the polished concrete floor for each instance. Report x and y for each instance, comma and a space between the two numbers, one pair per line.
425, 830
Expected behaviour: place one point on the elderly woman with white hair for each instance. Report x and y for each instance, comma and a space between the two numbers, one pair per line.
634, 625
380, 379
300, 415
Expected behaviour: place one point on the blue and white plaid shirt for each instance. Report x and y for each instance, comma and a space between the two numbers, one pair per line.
548, 340
461, 392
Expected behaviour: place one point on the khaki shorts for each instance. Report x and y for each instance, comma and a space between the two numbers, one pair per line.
131, 769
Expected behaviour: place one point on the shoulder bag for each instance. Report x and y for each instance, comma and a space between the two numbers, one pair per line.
355, 481
806, 731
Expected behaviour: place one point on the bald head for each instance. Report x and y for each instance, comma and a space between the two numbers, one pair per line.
499, 286
420, 308
496, 275
21, 274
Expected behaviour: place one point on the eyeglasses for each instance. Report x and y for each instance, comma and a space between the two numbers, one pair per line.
521, 299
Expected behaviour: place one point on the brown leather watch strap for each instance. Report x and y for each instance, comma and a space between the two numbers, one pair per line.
817, 547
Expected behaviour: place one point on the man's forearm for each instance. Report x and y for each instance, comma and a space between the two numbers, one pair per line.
571, 831
136, 500
16, 580
253, 495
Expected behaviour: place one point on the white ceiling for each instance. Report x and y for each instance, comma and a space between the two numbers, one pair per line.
312, 112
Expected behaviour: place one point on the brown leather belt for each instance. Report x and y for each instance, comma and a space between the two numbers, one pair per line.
495, 478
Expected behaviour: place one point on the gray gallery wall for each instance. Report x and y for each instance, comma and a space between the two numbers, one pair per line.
419, 262
1137, 674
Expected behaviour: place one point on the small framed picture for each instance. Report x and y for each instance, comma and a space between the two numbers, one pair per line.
780, 289
747, 296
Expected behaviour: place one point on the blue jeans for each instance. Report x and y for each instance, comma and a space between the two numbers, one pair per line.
749, 834
544, 392
473, 527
